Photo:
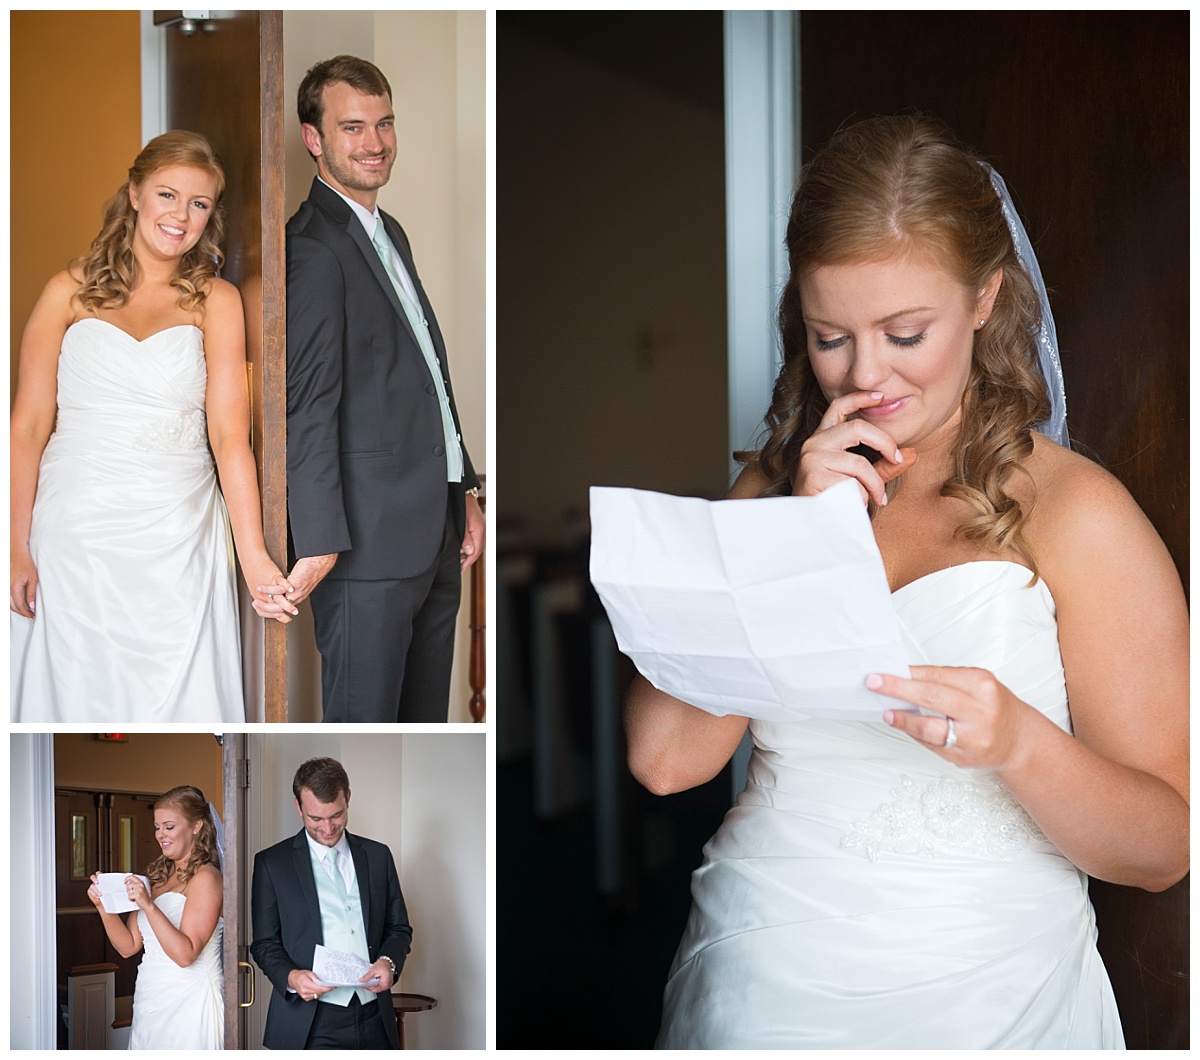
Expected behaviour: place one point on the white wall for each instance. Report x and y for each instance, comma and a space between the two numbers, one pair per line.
435, 63
443, 850
32, 995
425, 797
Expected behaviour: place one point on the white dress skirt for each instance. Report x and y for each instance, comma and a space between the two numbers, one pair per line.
174, 1007
865, 893
136, 605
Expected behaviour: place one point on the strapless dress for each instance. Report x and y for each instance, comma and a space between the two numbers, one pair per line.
865, 893
136, 606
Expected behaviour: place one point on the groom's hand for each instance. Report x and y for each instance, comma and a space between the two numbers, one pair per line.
472, 542
306, 985
382, 969
306, 575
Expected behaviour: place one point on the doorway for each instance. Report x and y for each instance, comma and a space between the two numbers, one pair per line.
105, 785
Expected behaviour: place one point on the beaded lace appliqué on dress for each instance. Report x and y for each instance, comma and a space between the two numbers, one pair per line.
980, 818
187, 431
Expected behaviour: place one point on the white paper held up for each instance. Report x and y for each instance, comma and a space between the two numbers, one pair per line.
774, 608
112, 891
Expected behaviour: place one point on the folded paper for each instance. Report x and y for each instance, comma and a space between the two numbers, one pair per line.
112, 891
774, 608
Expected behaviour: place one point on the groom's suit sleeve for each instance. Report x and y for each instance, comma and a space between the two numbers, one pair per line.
397, 932
267, 948
316, 309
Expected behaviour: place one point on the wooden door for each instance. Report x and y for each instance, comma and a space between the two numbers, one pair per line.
1086, 117
224, 78
96, 831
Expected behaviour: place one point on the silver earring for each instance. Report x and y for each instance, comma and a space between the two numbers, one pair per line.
982, 322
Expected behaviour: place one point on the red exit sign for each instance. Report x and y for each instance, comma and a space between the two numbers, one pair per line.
117, 737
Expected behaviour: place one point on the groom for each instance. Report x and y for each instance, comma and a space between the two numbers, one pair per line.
327, 886
381, 493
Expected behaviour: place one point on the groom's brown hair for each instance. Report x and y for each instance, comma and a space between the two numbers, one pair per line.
362, 76
324, 777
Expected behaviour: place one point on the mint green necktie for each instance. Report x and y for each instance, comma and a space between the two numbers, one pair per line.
339, 881
383, 247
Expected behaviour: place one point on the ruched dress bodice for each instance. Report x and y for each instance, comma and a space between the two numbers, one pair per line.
136, 615
863, 892
176, 1007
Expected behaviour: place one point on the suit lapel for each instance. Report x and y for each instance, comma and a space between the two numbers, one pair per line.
324, 198
302, 861
362, 874
356, 232
331, 203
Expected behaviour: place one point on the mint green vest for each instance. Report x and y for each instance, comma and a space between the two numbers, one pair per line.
342, 928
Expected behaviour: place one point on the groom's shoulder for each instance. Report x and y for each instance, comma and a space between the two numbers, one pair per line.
309, 220
279, 850
372, 846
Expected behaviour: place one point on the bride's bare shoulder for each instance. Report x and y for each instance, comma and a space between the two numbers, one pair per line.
208, 875
1082, 516
749, 483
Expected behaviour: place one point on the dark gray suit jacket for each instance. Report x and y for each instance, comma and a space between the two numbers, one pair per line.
366, 459
287, 927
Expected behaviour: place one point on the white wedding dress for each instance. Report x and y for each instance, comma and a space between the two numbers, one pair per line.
136, 608
174, 1007
865, 893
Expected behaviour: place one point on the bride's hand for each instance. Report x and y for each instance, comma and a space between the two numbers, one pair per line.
990, 723
93, 893
23, 578
268, 585
136, 892
825, 460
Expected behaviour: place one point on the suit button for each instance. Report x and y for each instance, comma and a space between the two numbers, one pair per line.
439, 450
431, 390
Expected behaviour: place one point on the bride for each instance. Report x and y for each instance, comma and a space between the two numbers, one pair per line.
921, 881
122, 583
178, 1002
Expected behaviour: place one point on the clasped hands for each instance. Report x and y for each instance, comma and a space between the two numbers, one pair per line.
990, 722
279, 598
309, 987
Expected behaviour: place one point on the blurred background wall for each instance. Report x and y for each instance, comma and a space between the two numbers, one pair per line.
76, 70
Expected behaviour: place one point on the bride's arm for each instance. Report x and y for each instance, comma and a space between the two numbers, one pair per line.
32, 422
1114, 797
228, 412
673, 746
201, 911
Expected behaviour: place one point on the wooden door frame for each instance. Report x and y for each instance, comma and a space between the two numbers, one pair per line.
234, 947
264, 644
270, 434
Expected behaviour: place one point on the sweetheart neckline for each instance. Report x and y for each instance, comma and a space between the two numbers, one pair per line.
131, 338
968, 563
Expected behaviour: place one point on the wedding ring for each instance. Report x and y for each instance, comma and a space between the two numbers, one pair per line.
951, 735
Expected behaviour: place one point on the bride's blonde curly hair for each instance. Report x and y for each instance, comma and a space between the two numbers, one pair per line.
886, 188
109, 271
190, 802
